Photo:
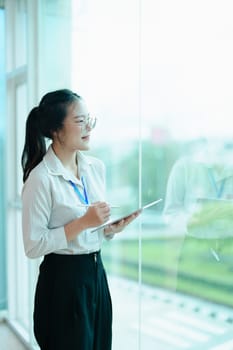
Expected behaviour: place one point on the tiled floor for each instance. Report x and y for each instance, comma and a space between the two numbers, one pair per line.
8, 340
167, 320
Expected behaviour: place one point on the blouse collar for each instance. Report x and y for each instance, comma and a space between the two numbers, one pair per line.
56, 168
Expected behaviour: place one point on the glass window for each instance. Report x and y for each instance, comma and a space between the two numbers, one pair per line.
22, 278
54, 45
158, 77
3, 297
53, 71
20, 33
106, 73
21, 115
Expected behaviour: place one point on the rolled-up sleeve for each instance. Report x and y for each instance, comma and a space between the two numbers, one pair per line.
39, 239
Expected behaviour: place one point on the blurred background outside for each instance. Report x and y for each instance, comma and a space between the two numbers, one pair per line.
158, 76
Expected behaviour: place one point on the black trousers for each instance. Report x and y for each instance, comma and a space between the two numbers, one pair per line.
73, 309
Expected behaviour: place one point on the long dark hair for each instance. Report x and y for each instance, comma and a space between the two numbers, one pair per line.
41, 122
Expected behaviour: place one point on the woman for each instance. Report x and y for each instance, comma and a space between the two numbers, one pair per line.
63, 198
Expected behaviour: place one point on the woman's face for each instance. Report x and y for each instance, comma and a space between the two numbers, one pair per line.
75, 134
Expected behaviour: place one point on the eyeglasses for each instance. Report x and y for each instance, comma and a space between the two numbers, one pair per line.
86, 121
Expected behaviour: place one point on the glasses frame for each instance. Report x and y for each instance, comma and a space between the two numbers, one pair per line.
87, 121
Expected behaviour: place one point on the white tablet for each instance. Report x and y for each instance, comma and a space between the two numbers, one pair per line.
110, 222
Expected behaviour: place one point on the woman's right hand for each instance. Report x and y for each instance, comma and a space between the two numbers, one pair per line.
97, 214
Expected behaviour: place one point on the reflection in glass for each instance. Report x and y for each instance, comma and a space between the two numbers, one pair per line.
148, 73
199, 207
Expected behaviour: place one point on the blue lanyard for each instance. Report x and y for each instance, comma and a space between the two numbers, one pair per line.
83, 197
218, 190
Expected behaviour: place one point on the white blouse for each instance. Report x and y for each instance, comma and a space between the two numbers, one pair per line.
49, 202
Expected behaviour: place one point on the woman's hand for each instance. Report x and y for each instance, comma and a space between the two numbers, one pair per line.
120, 225
97, 214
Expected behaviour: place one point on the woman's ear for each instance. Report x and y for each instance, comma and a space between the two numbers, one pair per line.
53, 134
57, 136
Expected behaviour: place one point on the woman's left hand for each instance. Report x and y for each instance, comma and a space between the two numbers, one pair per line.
120, 225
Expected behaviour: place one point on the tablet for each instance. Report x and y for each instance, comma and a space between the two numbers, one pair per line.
115, 221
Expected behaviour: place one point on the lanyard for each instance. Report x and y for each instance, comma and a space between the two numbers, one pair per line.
83, 197
218, 190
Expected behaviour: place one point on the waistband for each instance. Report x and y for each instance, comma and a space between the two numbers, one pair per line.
73, 257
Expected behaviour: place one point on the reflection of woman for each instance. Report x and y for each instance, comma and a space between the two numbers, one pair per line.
195, 204
198, 208
63, 197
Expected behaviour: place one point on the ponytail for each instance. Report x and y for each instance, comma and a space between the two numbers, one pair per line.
42, 121
34, 147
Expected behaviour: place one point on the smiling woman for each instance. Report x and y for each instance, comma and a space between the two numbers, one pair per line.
76, 128
159, 73
56, 226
